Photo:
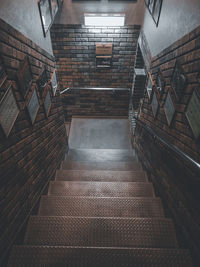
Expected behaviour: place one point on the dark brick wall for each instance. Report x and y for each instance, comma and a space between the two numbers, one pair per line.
30, 155
187, 51
74, 49
82, 102
175, 180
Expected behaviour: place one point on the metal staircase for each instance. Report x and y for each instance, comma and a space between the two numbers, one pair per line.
100, 211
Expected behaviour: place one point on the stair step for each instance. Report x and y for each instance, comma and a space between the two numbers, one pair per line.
100, 207
101, 176
100, 155
39, 256
100, 232
115, 166
101, 189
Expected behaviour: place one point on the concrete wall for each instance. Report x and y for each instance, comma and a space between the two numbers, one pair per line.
24, 16
178, 17
73, 11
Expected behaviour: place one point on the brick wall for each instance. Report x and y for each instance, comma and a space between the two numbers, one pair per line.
30, 155
74, 49
187, 51
175, 180
82, 102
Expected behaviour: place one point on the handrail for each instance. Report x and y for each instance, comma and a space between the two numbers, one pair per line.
94, 88
172, 147
63, 91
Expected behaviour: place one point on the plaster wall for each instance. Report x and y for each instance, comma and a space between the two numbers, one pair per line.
178, 17
24, 16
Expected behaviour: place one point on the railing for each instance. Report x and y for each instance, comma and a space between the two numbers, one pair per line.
132, 115
65, 90
171, 147
94, 88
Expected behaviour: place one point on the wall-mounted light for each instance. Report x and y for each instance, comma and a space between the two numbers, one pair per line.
104, 19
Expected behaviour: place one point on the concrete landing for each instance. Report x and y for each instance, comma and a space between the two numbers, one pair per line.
103, 133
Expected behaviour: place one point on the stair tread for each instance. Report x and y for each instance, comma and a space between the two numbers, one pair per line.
107, 176
101, 189
100, 207
100, 232
97, 155
39, 256
109, 165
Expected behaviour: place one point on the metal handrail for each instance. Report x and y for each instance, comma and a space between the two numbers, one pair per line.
66, 89
94, 88
172, 147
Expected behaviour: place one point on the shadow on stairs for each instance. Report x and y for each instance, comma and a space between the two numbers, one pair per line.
100, 211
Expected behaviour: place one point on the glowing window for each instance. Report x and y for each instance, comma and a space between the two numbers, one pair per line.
104, 19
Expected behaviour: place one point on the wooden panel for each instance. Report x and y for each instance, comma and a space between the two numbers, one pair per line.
103, 49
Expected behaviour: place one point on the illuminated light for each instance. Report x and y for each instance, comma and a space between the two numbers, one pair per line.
104, 19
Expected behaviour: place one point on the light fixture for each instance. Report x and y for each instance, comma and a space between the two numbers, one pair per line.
104, 19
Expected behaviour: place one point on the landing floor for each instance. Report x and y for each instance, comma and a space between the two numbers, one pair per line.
99, 133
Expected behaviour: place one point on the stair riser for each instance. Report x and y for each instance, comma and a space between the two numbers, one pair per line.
90, 257
101, 176
101, 155
115, 166
69, 157
101, 207
101, 189
100, 232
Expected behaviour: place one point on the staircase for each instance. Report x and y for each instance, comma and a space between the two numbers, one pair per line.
100, 211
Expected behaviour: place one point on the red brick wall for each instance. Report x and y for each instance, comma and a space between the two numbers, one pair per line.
74, 49
175, 180
187, 51
95, 103
30, 155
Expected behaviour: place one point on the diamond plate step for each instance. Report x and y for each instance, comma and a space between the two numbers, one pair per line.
101, 176
115, 166
101, 189
100, 207
33, 256
100, 232
100, 155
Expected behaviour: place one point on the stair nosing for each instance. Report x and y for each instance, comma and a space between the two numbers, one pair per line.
108, 218
91, 197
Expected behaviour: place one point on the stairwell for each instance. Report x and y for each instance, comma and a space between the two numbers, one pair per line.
100, 211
